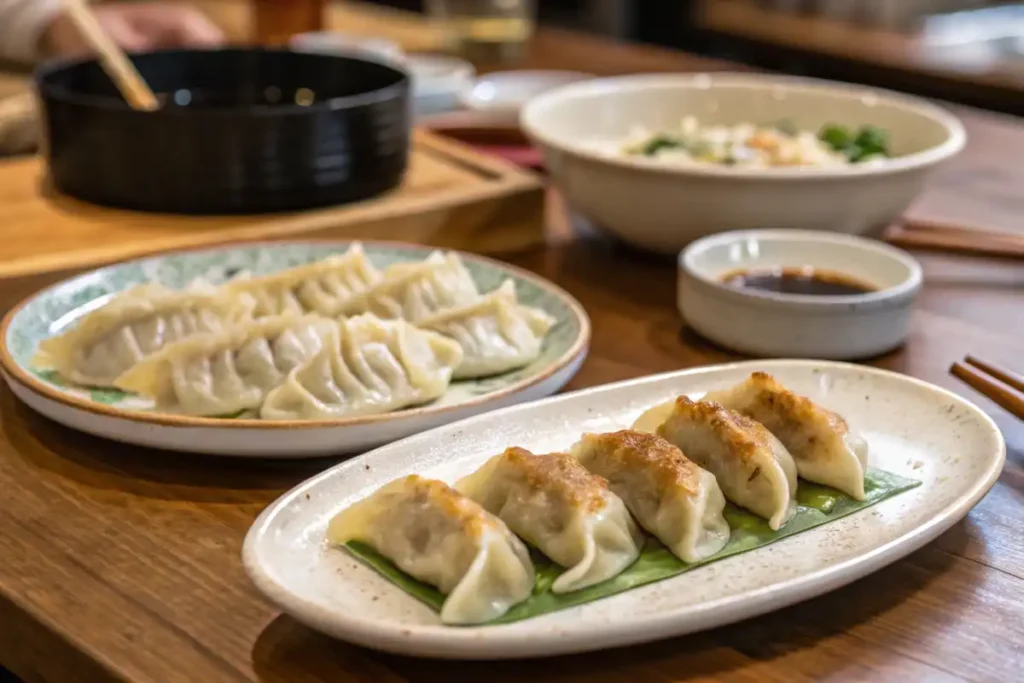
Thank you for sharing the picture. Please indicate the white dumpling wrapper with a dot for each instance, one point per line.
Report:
(752, 467)
(673, 498)
(825, 450)
(366, 366)
(135, 324)
(553, 502)
(414, 291)
(496, 333)
(320, 287)
(225, 373)
(440, 537)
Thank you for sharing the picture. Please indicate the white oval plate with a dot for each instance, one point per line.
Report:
(913, 429)
(124, 417)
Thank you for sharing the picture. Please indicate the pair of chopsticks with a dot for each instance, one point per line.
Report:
(113, 59)
(950, 238)
(1003, 386)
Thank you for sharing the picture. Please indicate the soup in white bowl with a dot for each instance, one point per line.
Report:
(662, 203)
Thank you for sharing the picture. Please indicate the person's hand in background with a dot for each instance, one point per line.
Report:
(136, 27)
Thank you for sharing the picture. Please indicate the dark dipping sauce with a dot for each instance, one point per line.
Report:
(798, 280)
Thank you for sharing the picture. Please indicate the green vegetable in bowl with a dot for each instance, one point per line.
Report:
(870, 142)
(836, 137)
(660, 142)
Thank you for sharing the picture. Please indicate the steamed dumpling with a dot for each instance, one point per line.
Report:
(321, 287)
(553, 502)
(135, 324)
(440, 537)
(222, 374)
(825, 450)
(670, 496)
(366, 366)
(414, 291)
(753, 469)
(496, 332)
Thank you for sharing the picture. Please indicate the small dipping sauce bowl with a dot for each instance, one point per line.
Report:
(729, 292)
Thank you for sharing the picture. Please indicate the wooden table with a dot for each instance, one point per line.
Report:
(121, 564)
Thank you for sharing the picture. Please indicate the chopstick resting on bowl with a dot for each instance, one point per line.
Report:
(1003, 386)
(913, 234)
(113, 59)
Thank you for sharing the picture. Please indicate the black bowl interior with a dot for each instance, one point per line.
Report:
(230, 78)
(239, 131)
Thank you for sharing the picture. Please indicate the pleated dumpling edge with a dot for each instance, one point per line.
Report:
(221, 374)
(752, 467)
(497, 333)
(322, 286)
(556, 505)
(820, 441)
(135, 324)
(460, 549)
(367, 366)
(415, 290)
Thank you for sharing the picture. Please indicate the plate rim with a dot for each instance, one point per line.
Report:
(15, 372)
(445, 642)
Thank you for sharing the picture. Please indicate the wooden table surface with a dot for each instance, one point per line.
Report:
(122, 564)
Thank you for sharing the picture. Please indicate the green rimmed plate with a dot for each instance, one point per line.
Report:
(123, 417)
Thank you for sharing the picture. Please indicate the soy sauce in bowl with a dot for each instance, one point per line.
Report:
(804, 280)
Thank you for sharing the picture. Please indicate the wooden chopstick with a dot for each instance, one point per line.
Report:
(957, 239)
(1003, 386)
(1002, 374)
(113, 59)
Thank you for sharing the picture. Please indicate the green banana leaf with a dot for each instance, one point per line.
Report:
(817, 505)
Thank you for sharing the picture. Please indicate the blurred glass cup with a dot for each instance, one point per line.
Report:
(485, 31)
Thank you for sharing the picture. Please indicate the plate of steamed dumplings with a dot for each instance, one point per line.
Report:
(627, 512)
(228, 351)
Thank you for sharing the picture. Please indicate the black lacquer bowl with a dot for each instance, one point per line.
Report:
(239, 131)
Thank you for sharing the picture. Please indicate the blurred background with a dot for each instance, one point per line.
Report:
(968, 51)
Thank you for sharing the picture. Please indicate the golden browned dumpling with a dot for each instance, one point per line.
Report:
(437, 535)
(567, 513)
(752, 467)
(825, 450)
(669, 495)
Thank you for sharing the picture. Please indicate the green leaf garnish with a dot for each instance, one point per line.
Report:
(817, 505)
(870, 142)
(660, 142)
(836, 137)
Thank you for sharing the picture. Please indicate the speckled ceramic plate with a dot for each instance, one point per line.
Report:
(913, 429)
(120, 416)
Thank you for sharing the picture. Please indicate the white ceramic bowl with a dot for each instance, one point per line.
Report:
(763, 323)
(663, 208)
(504, 93)
(438, 82)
